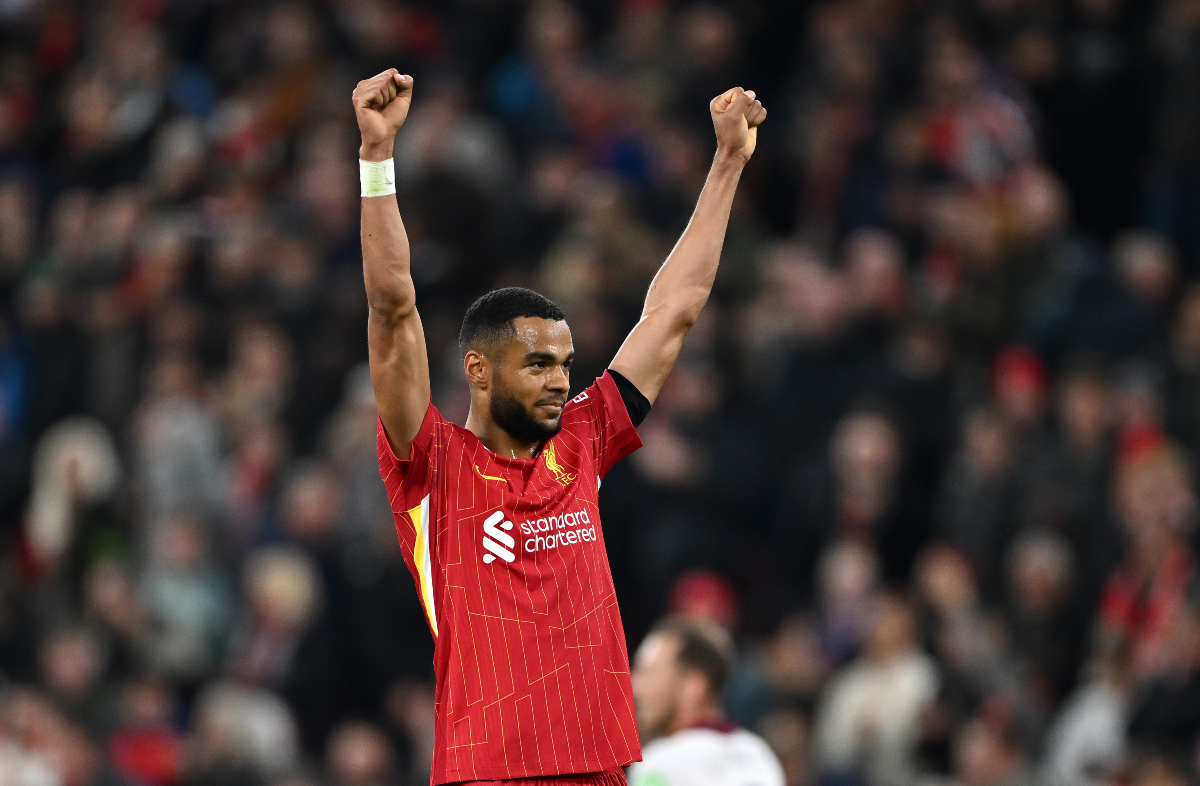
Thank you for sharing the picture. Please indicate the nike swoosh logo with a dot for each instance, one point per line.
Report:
(490, 477)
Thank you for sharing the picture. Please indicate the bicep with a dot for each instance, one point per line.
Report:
(650, 351)
(399, 375)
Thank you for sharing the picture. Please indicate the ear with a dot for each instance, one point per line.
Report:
(693, 690)
(478, 369)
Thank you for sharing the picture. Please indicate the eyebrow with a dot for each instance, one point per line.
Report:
(533, 357)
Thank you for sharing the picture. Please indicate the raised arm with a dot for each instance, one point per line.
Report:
(682, 285)
(396, 341)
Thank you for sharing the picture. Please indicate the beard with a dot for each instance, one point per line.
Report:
(512, 416)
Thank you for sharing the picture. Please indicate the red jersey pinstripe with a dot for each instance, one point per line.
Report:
(508, 557)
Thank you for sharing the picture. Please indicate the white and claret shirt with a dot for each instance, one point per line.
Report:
(709, 755)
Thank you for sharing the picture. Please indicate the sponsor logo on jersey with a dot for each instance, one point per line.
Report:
(495, 540)
(552, 532)
(542, 534)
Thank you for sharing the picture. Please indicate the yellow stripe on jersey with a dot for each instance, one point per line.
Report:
(420, 520)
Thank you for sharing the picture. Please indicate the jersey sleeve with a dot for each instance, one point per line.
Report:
(409, 481)
(615, 436)
(409, 484)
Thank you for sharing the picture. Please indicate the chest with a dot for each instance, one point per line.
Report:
(520, 513)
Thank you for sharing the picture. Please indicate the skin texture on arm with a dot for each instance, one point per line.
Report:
(682, 285)
(395, 338)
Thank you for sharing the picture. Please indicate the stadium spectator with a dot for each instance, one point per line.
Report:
(679, 676)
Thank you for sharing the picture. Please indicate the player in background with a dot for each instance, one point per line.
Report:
(499, 521)
(679, 674)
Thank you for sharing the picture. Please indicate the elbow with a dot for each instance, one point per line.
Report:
(685, 311)
(685, 319)
(393, 304)
(678, 316)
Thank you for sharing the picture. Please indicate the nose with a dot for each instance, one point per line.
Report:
(557, 380)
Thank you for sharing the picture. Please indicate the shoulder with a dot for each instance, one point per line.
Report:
(712, 754)
(681, 743)
(582, 412)
(753, 743)
(434, 434)
(594, 404)
(584, 401)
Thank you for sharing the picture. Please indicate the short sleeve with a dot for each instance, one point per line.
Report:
(408, 481)
(615, 436)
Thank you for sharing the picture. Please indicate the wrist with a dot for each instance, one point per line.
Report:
(729, 159)
(377, 151)
(377, 178)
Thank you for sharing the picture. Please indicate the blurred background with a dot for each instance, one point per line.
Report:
(929, 454)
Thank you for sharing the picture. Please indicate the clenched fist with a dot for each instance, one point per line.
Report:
(736, 115)
(381, 105)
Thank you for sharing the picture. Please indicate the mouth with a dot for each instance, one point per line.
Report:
(553, 407)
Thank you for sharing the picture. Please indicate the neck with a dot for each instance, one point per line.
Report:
(497, 439)
(687, 717)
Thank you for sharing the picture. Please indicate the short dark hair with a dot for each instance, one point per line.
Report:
(489, 320)
(703, 646)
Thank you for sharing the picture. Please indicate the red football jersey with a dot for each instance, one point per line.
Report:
(509, 560)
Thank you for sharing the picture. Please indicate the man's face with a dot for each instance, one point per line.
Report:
(656, 684)
(531, 379)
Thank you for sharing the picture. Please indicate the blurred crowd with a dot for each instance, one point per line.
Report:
(929, 454)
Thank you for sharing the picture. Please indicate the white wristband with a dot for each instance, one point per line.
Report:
(378, 178)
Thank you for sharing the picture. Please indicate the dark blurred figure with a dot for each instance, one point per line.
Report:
(359, 755)
(1155, 501)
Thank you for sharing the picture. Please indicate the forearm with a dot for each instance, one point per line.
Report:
(386, 270)
(683, 283)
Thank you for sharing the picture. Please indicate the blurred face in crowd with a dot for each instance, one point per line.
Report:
(180, 545)
(1085, 409)
(848, 574)
(866, 450)
(946, 581)
(952, 71)
(71, 662)
(282, 590)
(655, 684)
(983, 757)
(1020, 400)
(892, 631)
(552, 30)
(1155, 498)
(526, 380)
(875, 268)
(62, 751)
(796, 658)
(1038, 203)
(661, 687)
(709, 36)
(986, 444)
(1039, 571)
(359, 755)
(1146, 265)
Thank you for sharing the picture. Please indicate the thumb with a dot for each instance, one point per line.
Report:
(740, 101)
